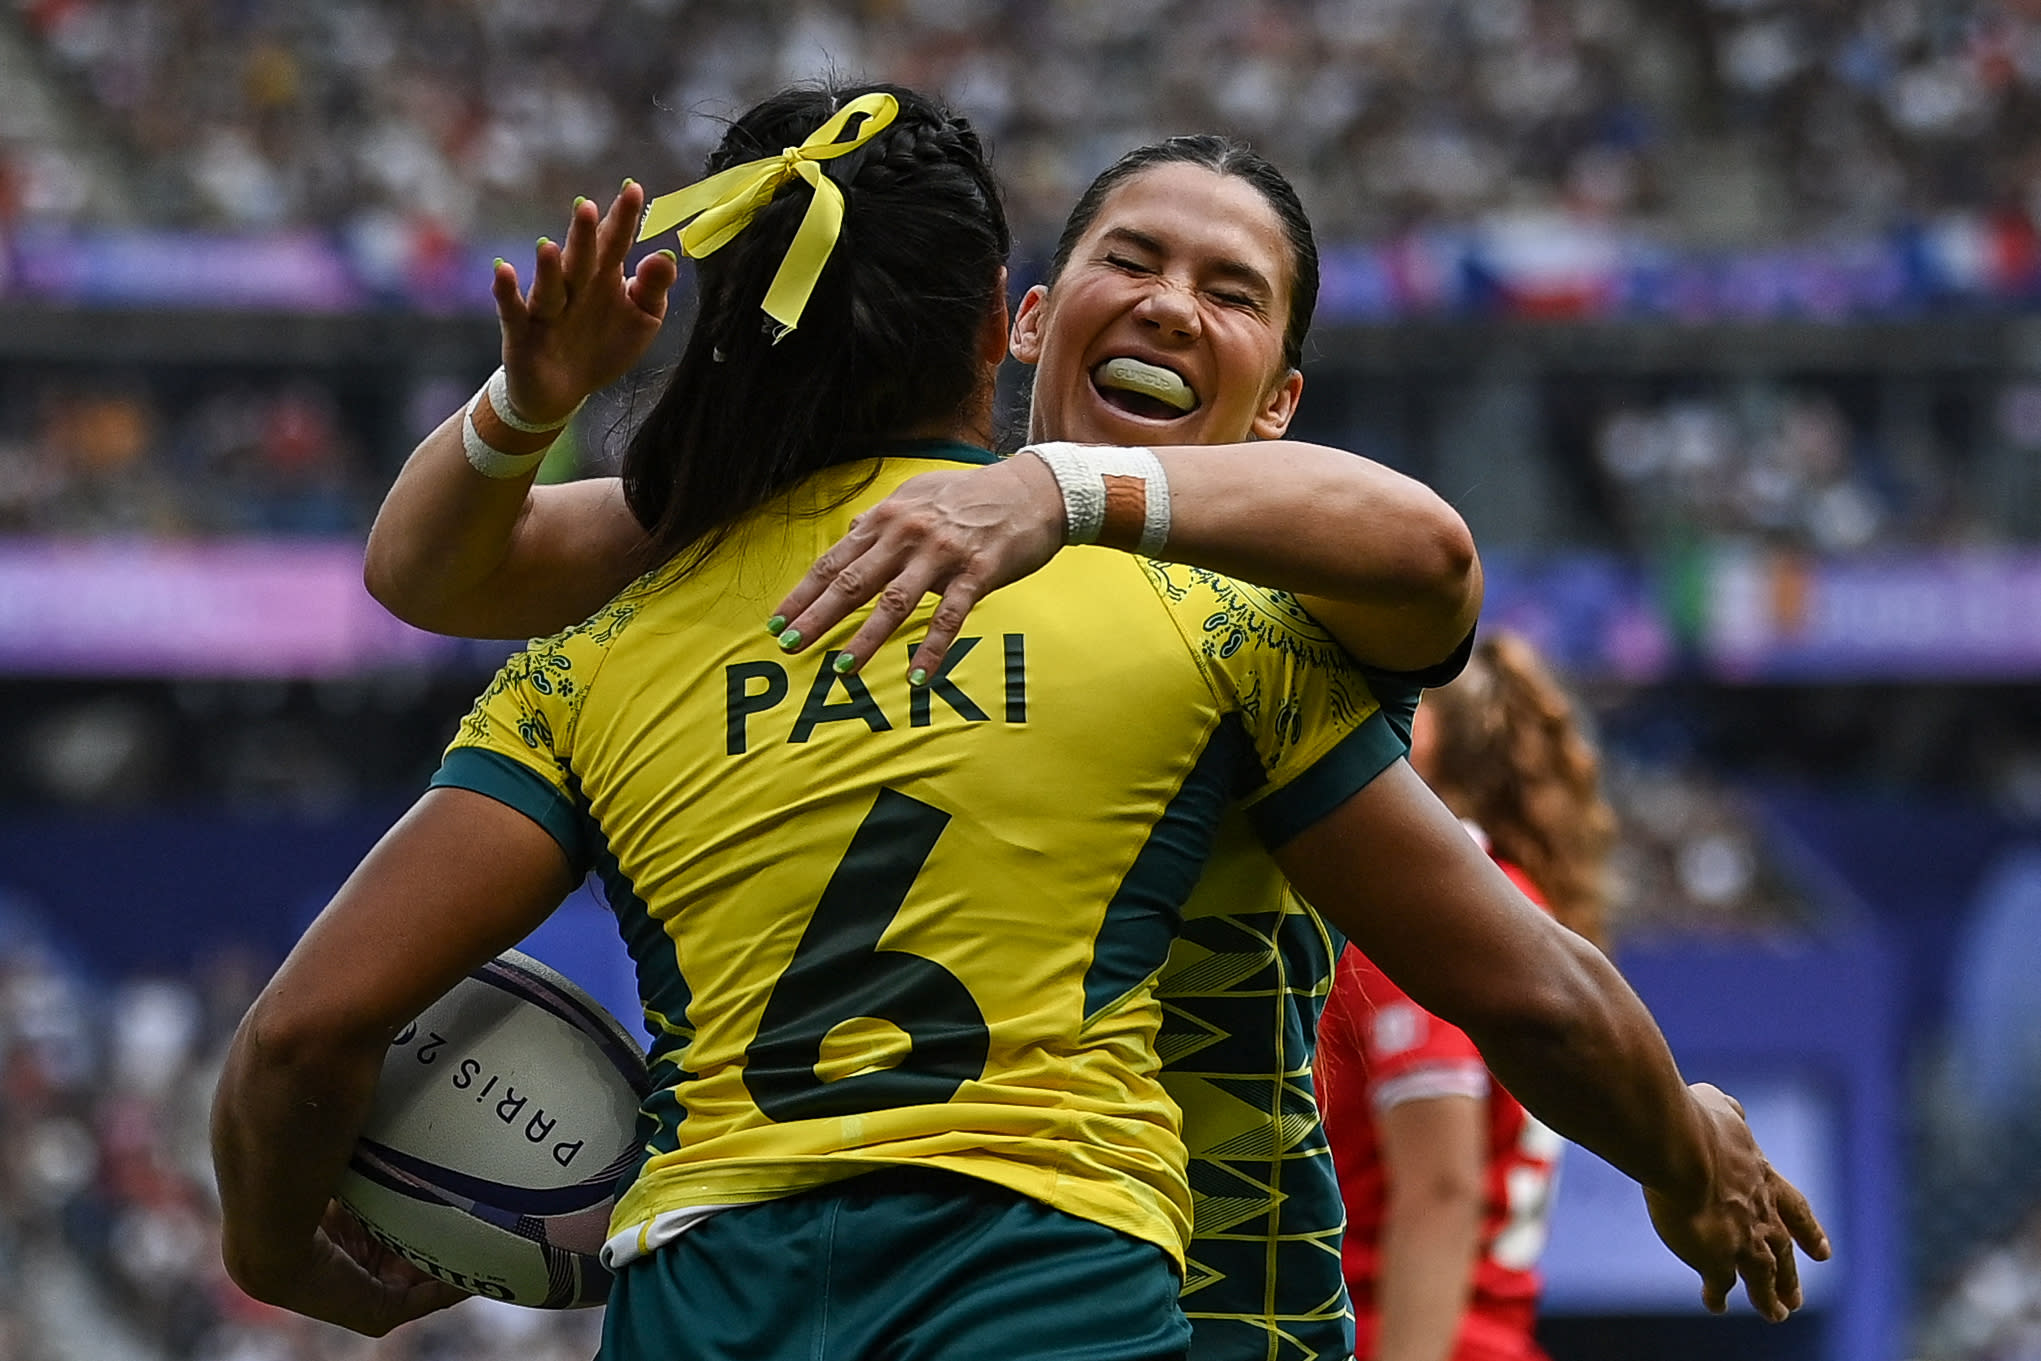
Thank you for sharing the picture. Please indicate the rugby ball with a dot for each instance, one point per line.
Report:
(503, 1119)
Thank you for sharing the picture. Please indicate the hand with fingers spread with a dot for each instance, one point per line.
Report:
(584, 322)
(1744, 1223)
(960, 534)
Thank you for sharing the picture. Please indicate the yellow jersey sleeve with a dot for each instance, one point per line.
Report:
(517, 744)
(1318, 729)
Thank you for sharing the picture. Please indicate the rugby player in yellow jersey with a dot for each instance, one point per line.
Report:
(1150, 265)
(899, 941)
(1194, 258)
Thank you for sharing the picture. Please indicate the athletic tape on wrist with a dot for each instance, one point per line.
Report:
(490, 461)
(498, 388)
(1115, 496)
(500, 443)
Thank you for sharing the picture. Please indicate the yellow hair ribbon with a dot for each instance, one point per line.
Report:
(724, 204)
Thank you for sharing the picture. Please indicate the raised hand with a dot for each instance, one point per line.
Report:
(584, 322)
(959, 533)
(1747, 1222)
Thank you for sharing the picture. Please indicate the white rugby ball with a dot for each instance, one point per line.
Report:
(504, 1117)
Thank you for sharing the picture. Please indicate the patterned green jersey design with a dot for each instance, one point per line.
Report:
(1246, 981)
(1241, 997)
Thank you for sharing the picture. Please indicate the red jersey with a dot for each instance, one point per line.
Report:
(1376, 1049)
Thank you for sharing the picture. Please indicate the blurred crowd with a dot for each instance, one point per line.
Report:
(1702, 121)
(1993, 1312)
(1782, 463)
(109, 1226)
(108, 457)
(1768, 461)
(1691, 858)
(1712, 120)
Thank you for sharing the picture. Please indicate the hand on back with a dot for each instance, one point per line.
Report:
(584, 322)
(958, 533)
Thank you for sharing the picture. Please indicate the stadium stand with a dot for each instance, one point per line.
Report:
(1715, 119)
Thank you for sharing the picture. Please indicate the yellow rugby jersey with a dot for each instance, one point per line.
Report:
(875, 925)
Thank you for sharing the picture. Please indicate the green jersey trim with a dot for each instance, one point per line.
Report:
(942, 450)
(1332, 779)
(663, 994)
(496, 776)
(1399, 697)
(1146, 911)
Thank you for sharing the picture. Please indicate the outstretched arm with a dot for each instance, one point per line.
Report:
(458, 880)
(1558, 1026)
(457, 552)
(1382, 561)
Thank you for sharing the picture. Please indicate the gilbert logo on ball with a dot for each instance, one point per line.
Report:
(505, 1116)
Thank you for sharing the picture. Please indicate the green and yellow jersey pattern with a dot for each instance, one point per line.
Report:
(1241, 995)
(877, 925)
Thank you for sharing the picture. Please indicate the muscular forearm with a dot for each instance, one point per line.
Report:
(1388, 566)
(1395, 871)
(457, 552)
(1429, 1241)
(285, 1121)
(1380, 559)
(1599, 1072)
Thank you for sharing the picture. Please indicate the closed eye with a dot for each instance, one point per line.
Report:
(1131, 266)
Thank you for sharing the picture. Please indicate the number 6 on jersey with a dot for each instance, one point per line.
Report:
(839, 976)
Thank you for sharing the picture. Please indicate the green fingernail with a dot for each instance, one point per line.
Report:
(790, 640)
(844, 663)
(545, 241)
(917, 678)
(775, 624)
(498, 264)
(628, 181)
(580, 199)
(671, 256)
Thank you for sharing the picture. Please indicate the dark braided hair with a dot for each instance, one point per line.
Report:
(1223, 156)
(887, 344)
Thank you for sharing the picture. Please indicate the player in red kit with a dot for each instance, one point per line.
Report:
(1447, 1179)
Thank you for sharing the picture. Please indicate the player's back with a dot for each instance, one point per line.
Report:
(879, 924)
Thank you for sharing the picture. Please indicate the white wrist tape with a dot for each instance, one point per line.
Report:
(1112, 495)
(491, 423)
(498, 388)
(486, 459)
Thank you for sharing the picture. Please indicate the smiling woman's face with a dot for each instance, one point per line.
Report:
(1166, 326)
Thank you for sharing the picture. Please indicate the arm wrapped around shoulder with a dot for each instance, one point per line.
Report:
(1117, 497)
